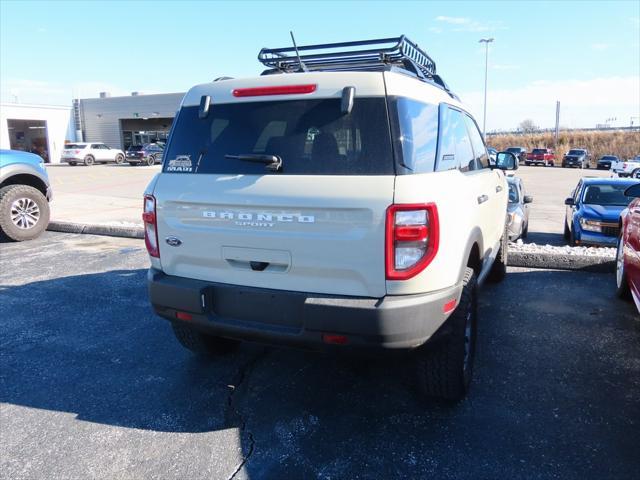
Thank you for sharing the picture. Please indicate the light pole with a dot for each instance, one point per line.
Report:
(486, 41)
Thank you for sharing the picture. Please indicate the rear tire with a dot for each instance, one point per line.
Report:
(119, 159)
(151, 160)
(499, 268)
(445, 369)
(622, 283)
(201, 343)
(24, 212)
(89, 160)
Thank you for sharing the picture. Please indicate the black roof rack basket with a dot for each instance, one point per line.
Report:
(396, 51)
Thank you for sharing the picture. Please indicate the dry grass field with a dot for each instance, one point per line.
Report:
(623, 144)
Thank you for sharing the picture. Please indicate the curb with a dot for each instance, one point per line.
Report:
(108, 230)
(556, 261)
(551, 261)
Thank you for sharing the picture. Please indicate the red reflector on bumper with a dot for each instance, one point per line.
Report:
(184, 316)
(335, 339)
(450, 306)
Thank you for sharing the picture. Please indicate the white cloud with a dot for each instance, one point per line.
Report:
(453, 20)
(583, 102)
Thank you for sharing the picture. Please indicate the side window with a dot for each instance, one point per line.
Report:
(479, 148)
(455, 145)
(418, 134)
(576, 192)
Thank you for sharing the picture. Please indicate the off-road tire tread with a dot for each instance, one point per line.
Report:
(439, 367)
(201, 343)
(7, 229)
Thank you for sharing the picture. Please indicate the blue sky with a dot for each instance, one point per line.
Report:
(585, 54)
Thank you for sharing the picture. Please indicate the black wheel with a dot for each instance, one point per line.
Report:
(635, 173)
(567, 232)
(151, 160)
(119, 159)
(73, 164)
(622, 284)
(587, 166)
(202, 343)
(525, 232)
(24, 212)
(89, 160)
(445, 368)
(499, 268)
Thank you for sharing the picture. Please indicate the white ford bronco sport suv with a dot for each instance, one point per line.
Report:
(341, 200)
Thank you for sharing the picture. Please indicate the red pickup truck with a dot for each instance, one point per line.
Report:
(541, 156)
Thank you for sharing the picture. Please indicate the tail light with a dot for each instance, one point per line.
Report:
(77, 151)
(150, 226)
(279, 90)
(412, 236)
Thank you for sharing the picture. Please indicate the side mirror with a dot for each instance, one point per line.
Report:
(633, 191)
(569, 201)
(527, 199)
(506, 161)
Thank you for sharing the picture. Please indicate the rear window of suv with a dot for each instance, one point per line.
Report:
(539, 150)
(312, 137)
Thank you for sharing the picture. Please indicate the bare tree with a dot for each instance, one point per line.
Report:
(527, 126)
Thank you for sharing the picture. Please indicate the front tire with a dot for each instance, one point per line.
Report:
(445, 369)
(24, 212)
(119, 159)
(89, 160)
(201, 343)
(499, 268)
(151, 161)
(622, 283)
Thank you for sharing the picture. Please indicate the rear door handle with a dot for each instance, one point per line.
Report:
(498, 188)
(483, 198)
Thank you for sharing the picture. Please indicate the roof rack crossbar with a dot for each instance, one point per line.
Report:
(402, 51)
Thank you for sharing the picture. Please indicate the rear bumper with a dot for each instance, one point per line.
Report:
(300, 319)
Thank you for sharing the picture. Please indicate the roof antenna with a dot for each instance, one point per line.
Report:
(303, 67)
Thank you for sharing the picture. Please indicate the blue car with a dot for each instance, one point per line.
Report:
(25, 193)
(593, 211)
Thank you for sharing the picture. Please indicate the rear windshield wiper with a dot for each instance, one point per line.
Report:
(273, 162)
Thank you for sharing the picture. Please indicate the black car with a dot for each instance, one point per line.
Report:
(148, 154)
(576, 157)
(605, 162)
(519, 152)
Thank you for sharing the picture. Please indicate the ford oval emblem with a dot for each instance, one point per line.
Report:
(173, 241)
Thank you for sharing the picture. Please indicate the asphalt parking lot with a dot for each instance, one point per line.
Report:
(92, 385)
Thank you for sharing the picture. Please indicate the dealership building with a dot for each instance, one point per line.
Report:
(116, 121)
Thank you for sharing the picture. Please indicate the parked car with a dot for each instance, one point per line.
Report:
(541, 156)
(518, 209)
(25, 193)
(605, 162)
(492, 153)
(148, 154)
(628, 249)
(90, 154)
(627, 168)
(592, 212)
(519, 152)
(577, 157)
(299, 235)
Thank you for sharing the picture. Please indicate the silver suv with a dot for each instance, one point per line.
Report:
(336, 201)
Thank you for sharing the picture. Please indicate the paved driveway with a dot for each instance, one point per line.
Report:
(92, 385)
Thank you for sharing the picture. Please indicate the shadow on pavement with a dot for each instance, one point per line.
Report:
(556, 393)
(545, 238)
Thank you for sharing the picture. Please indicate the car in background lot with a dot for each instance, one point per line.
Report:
(576, 157)
(593, 211)
(627, 168)
(541, 156)
(605, 162)
(148, 154)
(517, 209)
(25, 193)
(90, 153)
(519, 152)
(628, 249)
